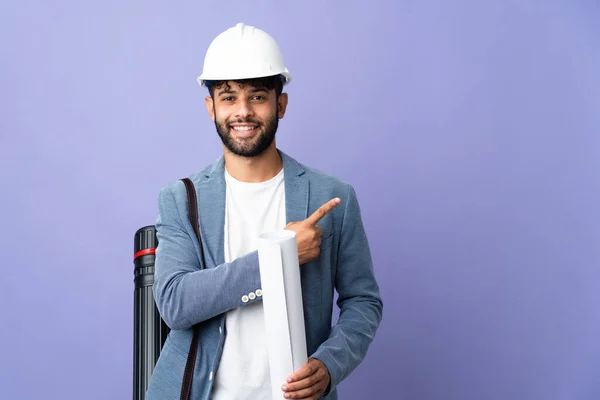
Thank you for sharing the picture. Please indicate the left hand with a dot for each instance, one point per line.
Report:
(308, 382)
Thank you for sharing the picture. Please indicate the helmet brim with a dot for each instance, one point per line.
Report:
(202, 79)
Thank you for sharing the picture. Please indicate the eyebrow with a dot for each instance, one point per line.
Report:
(253, 90)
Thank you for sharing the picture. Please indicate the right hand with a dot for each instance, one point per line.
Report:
(308, 233)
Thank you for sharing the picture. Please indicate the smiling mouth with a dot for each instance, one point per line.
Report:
(244, 130)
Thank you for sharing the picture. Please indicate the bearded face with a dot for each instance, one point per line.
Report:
(247, 137)
(246, 116)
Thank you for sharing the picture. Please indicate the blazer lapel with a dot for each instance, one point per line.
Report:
(211, 211)
(296, 209)
(296, 190)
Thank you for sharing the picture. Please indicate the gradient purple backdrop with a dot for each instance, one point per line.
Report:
(470, 130)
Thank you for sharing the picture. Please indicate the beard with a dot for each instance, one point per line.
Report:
(251, 146)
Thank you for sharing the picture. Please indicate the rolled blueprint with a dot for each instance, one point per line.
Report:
(282, 305)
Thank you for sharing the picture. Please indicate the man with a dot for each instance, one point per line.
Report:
(254, 187)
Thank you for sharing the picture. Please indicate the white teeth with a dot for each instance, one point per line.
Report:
(243, 128)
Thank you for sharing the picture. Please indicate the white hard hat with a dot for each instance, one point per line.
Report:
(243, 52)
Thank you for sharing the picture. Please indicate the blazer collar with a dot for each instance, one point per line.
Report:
(290, 165)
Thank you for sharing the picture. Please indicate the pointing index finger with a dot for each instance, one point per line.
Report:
(322, 211)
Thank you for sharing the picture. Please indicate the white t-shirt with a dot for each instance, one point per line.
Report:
(251, 209)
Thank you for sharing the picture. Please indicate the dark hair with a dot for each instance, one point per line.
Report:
(267, 82)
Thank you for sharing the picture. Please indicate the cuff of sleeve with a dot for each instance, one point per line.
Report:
(329, 363)
(252, 291)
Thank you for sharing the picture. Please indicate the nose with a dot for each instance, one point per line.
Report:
(244, 109)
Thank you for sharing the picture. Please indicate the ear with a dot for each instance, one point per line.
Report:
(282, 103)
(210, 107)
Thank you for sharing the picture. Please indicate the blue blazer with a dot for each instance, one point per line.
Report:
(187, 295)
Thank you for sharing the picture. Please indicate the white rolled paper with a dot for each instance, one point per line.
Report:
(282, 305)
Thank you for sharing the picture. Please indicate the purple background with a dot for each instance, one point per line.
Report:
(470, 130)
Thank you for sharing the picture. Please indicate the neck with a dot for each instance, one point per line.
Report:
(254, 169)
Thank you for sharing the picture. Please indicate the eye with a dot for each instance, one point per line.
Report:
(258, 97)
(228, 98)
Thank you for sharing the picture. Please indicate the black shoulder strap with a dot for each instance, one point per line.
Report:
(193, 214)
(188, 373)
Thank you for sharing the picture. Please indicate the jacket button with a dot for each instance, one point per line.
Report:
(251, 295)
(245, 298)
(259, 292)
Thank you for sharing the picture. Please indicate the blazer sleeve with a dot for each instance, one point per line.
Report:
(186, 294)
(359, 299)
